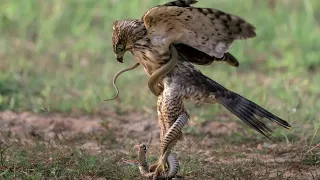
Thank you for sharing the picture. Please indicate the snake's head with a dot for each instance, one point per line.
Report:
(141, 148)
(142, 152)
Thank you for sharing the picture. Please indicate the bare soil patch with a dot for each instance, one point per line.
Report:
(208, 156)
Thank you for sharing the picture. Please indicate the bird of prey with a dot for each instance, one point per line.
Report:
(201, 35)
(176, 31)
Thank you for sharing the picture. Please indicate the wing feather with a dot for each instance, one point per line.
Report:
(198, 57)
(181, 3)
(208, 30)
(246, 110)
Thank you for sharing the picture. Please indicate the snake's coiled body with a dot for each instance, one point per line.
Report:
(173, 168)
(174, 132)
(160, 73)
(170, 137)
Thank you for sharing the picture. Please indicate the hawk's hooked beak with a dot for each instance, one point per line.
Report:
(119, 58)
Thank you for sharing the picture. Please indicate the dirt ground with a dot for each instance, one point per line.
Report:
(213, 148)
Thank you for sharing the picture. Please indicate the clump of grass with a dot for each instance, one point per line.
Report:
(66, 161)
(58, 56)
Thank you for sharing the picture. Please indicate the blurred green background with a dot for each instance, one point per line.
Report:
(57, 55)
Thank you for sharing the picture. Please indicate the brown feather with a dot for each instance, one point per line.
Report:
(208, 30)
(190, 84)
(200, 58)
(180, 3)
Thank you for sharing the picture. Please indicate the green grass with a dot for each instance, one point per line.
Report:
(67, 160)
(63, 163)
(57, 55)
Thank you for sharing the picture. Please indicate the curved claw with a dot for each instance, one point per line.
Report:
(160, 171)
(160, 168)
(173, 168)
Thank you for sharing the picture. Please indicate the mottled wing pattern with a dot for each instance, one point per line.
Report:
(180, 3)
(208, 30)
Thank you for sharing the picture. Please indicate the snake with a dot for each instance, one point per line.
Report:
(173, 164)
(141, 162)
(115, 79)
(156, 76)
(169, 140)
(161, 72)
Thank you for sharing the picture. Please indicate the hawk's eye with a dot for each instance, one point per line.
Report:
(120, 47)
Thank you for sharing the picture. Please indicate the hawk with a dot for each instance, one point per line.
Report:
(178, 32)
(201, 35)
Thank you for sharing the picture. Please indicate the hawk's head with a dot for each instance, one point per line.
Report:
(124, 35)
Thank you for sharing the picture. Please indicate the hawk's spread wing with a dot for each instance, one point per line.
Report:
(208, 30)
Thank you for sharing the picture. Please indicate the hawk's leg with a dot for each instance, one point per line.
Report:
(168, 142)
(161, 122)
(172, 117)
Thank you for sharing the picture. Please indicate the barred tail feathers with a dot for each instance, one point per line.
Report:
(249, 112)
(246, 110)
